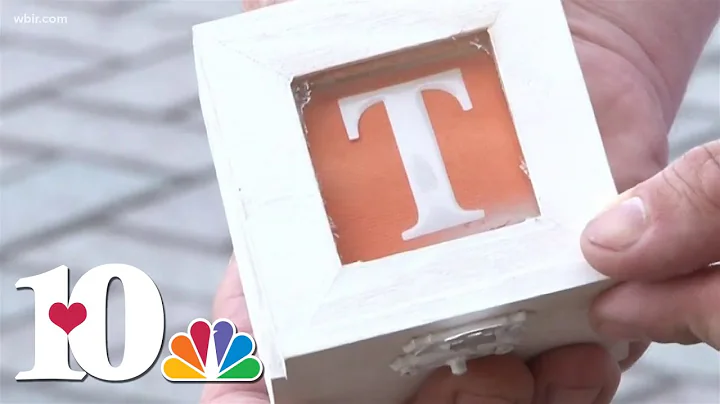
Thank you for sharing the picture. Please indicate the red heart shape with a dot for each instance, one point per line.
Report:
(67, 318)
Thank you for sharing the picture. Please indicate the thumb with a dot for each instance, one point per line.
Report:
(662, 237)
(667, 226)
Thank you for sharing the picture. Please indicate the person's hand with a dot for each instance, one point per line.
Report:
(661, 240)
(230, 304)
(637, 58)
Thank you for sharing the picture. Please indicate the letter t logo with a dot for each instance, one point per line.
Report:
(435, 200)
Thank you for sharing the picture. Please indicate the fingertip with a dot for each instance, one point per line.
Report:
(229, 303)
(609, 240)
(229, 300)
(620, 227)
(615, 311)
(232, 394)
(249, 5)
(581, 374)
(494, 377)
(664, 227)
(638, 342)
(635, 352)
(681, 310)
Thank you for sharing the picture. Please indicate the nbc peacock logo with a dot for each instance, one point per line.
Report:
(212, 353)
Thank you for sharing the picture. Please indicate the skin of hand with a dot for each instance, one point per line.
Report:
(637, 58)
(661, 240)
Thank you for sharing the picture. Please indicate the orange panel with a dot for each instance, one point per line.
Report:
(363, 182)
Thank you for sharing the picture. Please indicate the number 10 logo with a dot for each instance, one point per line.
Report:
(79, 322)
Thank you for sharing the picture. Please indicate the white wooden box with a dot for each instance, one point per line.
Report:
(333, 329)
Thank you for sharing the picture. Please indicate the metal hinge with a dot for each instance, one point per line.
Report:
(454, 347)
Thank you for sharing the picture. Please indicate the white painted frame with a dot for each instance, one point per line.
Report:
(299, 294)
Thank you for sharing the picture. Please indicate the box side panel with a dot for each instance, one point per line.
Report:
(208, 52)
(360, 373)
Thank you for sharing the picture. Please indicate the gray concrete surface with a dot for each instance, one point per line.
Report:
(103, 159)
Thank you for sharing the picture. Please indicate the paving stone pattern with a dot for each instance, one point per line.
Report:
(104, 159)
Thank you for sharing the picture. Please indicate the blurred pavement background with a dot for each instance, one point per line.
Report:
(103, 158)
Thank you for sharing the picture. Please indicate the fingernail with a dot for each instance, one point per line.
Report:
(619, 227)
(561, 395)
(472, 399)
